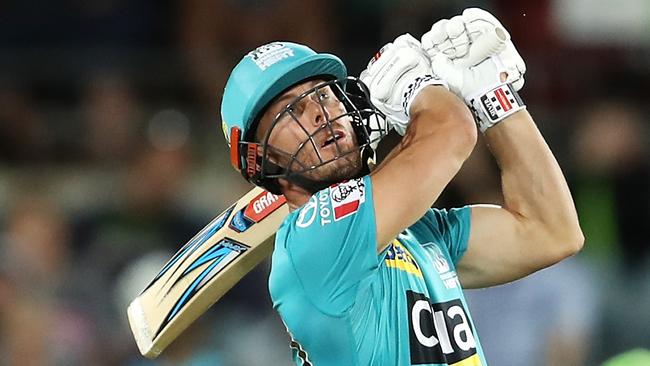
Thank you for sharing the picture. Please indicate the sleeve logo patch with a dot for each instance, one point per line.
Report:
(400, 258)
(447, 273)
(347, 197)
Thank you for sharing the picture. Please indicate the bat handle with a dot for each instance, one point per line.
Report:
(486, 45)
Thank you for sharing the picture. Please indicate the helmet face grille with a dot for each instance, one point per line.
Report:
(339, 103)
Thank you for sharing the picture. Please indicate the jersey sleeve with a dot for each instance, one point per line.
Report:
(331, 243)
(449, 227)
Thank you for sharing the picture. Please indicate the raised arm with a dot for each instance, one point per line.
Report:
(439, 138)
(538, 225)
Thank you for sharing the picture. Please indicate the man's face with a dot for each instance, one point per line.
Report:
(311, 133)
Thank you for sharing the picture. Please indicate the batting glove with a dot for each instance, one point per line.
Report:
(395, 75)
(473, 52)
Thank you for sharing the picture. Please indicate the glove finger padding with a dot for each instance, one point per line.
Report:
(484, 46)
(459, 38)
(457, 35)
(394, 77)
(392, 62)
(432, 39)
(475, 74)
(407, 40)
(478, 22)
(447, 36)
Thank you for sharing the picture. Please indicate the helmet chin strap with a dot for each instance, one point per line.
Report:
(369, 155)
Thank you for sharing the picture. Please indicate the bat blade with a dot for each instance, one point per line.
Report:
(204, 269)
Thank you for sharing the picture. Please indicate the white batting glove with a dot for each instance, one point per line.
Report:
(397, 73)
(472, 52)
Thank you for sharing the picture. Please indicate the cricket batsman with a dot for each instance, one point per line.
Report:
(364, 271)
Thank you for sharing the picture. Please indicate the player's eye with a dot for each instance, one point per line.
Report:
(323, 95)
(325, 98)
(286, 114)
(292, 109)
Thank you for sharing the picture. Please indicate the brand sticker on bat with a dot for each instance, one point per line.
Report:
(263, 205)
(210, 263)
(240, 222)
(195, 243)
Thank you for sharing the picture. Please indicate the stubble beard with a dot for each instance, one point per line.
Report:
(347, 166)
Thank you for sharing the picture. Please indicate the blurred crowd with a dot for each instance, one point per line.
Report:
(112, 157)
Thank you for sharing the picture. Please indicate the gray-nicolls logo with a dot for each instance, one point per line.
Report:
(489, 107)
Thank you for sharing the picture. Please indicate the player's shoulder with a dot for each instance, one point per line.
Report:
(437, 221)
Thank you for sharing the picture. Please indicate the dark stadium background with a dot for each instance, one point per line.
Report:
(112, 157)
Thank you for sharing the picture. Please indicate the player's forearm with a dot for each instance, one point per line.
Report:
(431, 114)
(440, 137)
(534, 188)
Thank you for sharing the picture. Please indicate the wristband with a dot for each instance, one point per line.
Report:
(491, 107)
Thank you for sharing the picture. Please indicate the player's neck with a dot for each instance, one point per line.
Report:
(296, 196)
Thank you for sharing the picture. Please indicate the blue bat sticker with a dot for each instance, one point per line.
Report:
(217, 257)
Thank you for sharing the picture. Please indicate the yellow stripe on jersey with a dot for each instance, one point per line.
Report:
(399, 257)
(475, 360)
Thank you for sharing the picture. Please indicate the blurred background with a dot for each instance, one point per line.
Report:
(112, 157)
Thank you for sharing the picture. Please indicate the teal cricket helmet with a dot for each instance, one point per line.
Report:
(266, 72)
(261, 76)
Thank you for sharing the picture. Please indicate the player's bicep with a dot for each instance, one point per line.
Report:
(496, 252)
(402, 195)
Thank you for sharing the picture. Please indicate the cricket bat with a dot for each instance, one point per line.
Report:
(204, 269)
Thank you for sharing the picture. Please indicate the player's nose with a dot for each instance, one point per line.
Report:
(315, 115)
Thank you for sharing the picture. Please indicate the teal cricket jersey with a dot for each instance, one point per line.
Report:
(345, 305)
